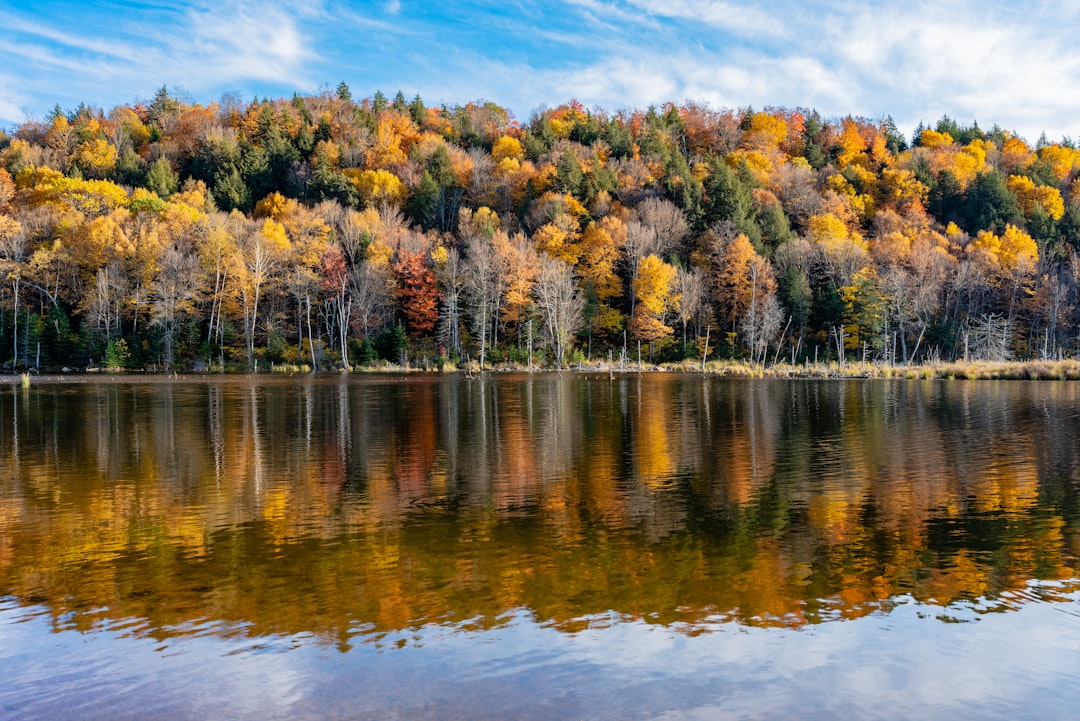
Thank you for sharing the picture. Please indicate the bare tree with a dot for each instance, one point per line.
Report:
(171, 293)
(560, 304)
(485, 281)
(103, 306)
(666, 220)
(691, 289)
(451, 276)
(371, 296)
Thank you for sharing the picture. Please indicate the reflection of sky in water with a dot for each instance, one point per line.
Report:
(364, 568)
(909, 663)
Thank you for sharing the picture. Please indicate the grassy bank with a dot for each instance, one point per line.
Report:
(981, 370)
(1016, 370)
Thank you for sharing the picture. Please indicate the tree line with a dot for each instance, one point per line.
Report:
(329, 232)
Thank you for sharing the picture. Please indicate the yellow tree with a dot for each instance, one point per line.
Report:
(377, 187)
(522, 263)
(309, 235)
(1033, 196)
(1011, 257)
(14, 249)
(653, 288)
(601, 248)
(96, 157)
(731, 281)
(219, 255)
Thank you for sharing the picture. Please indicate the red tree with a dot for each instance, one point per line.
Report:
(417, 291)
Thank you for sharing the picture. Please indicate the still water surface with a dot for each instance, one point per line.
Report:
(539, 547)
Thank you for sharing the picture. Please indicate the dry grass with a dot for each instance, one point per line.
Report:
(1021, 370)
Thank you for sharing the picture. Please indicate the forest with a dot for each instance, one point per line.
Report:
(326, 232)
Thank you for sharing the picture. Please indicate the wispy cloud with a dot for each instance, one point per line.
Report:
(240, 41)
(740, 19)
(993, 61)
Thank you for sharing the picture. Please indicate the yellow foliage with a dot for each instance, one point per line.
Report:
(829, 232)
(756, 162)
(101, 240)
(561, 127)
(1014, 250)
(653, 284)
(976, 150)
(481, 222)
(36, 176)
(1051, 201)
(179, 215)
(867, 179)
(1061, 160)
(1015, 155)
(864, 206)
(891, 247)
(509, 166)
(987, 241)
(852, 145)
(46, 186)
(394, 138)
(327, 153)
(879, 151)
(193, 195)
(967, 163)
(839, 184)
(379, 253)
(96, 157)
(1032, 196)
(1018, 249)
(272, 206)
(558, 239)
(800, 162)
(933, 139)
(766, 132)
(9, 228)
(600, 244)
(274, 232)
(507, 147)
(439, 255)
(377, 186)
(900, 187)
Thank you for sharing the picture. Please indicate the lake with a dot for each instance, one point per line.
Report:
(546, 546)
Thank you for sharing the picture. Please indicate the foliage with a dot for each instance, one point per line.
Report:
(288, 226)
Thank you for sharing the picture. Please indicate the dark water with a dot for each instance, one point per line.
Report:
(539, 547)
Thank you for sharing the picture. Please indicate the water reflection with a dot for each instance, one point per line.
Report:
(342, 510)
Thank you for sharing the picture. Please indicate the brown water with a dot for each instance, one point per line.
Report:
(539, 547)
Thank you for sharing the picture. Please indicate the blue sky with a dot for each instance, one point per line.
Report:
(1013, 64)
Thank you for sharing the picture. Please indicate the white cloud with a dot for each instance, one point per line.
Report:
(10, 103)
(992, 62)
(237, 41)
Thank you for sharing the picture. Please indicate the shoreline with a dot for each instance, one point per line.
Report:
(975, 370)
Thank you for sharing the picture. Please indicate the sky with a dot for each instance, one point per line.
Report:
(1016, 65)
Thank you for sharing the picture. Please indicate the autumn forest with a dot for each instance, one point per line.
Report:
(327, 232)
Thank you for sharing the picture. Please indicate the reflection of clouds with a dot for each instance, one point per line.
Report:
(113, 675)
(907, 664)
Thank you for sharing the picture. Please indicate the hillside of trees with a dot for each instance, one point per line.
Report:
(330, 232)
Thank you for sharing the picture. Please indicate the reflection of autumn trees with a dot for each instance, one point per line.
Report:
(346, 508)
